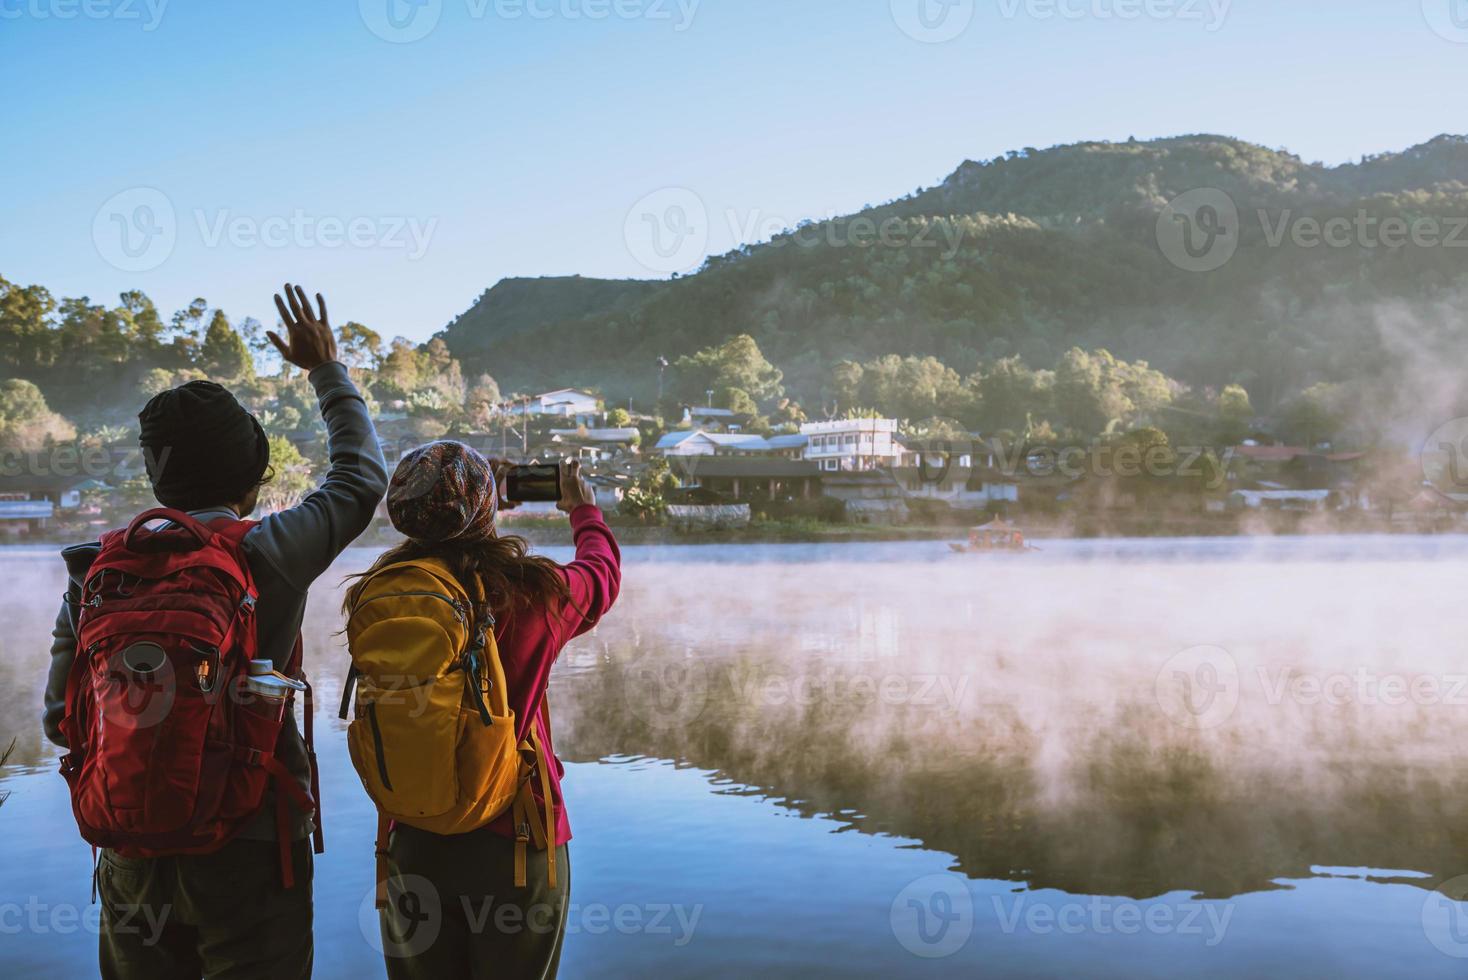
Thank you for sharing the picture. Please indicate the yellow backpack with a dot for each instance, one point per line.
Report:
(433, 736)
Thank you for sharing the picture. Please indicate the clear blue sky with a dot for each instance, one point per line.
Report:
(519, 144)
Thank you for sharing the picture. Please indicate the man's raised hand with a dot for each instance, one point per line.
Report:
(312, 343)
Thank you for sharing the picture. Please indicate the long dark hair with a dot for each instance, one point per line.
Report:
(498, 571)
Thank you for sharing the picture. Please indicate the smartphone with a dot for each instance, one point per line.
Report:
(536, 483)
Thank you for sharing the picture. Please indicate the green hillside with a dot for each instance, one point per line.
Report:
(1030, 254)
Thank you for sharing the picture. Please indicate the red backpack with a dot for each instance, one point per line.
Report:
(170, 751)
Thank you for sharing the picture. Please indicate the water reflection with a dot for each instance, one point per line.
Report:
(1020, 716)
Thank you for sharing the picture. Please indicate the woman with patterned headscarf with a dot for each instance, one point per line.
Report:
(445, 499)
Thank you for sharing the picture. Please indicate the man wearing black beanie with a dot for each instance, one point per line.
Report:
(201, 447)
(228, 913)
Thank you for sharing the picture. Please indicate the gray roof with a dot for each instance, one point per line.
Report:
(754, 467)
(598, 435)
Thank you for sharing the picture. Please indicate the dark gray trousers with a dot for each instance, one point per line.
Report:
(454, 911)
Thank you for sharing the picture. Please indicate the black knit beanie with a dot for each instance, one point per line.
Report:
(201, 448)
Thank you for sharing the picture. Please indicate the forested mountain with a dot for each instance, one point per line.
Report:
(517, 306)
(1033, 254)
(1061, 294)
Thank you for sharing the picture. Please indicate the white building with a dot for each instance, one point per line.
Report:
(572, 403)
(698, 442)
(852, 445)
(596, 444)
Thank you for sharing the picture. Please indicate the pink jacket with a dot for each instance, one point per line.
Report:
(530, 641)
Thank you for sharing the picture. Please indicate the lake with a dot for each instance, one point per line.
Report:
(1111, 758)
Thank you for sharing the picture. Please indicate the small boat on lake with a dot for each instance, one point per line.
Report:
(997, 536)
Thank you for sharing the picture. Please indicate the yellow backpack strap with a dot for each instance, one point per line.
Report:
(543, 763)
(522, 836)
(383, 827)
(527, 819)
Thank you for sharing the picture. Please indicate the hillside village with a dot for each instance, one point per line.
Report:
(709, 472)
(1054, 369)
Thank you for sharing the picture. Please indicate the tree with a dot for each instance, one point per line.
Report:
(155, 382)
(1234, 405)
(361, 346)
(258, 344)
(737, 363)
(735, 400)
(1086, 394)
(1316, 414)
(147, 326)
(292, 476)
(185, 330)
(1234, 414)
(619, 418)
(788, 413)
(407, 369)
(845, 386)
(26, 422)
(482, 401)
(94, 338)
(646, 501)
(400, 371)
(223, 354)
(1009, 394)
(1096, 393)
(26, 339)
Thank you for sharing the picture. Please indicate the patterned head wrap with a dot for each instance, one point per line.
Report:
(444, 491)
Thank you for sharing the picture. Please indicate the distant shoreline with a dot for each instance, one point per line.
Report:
(552, 531)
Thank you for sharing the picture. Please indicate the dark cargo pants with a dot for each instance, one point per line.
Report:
(222, 915)
(454, 911)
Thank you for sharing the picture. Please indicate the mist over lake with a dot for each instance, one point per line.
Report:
(1116, 758)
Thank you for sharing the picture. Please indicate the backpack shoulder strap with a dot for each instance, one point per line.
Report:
(433, 569)
(232, 530)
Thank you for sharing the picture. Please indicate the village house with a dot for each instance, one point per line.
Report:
(852, 445)
(735, 478)
(28, 502)
(714, 419)
(1293, 478)
(699, 442)
(573, 403)
(596, 445)
(870, 496)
